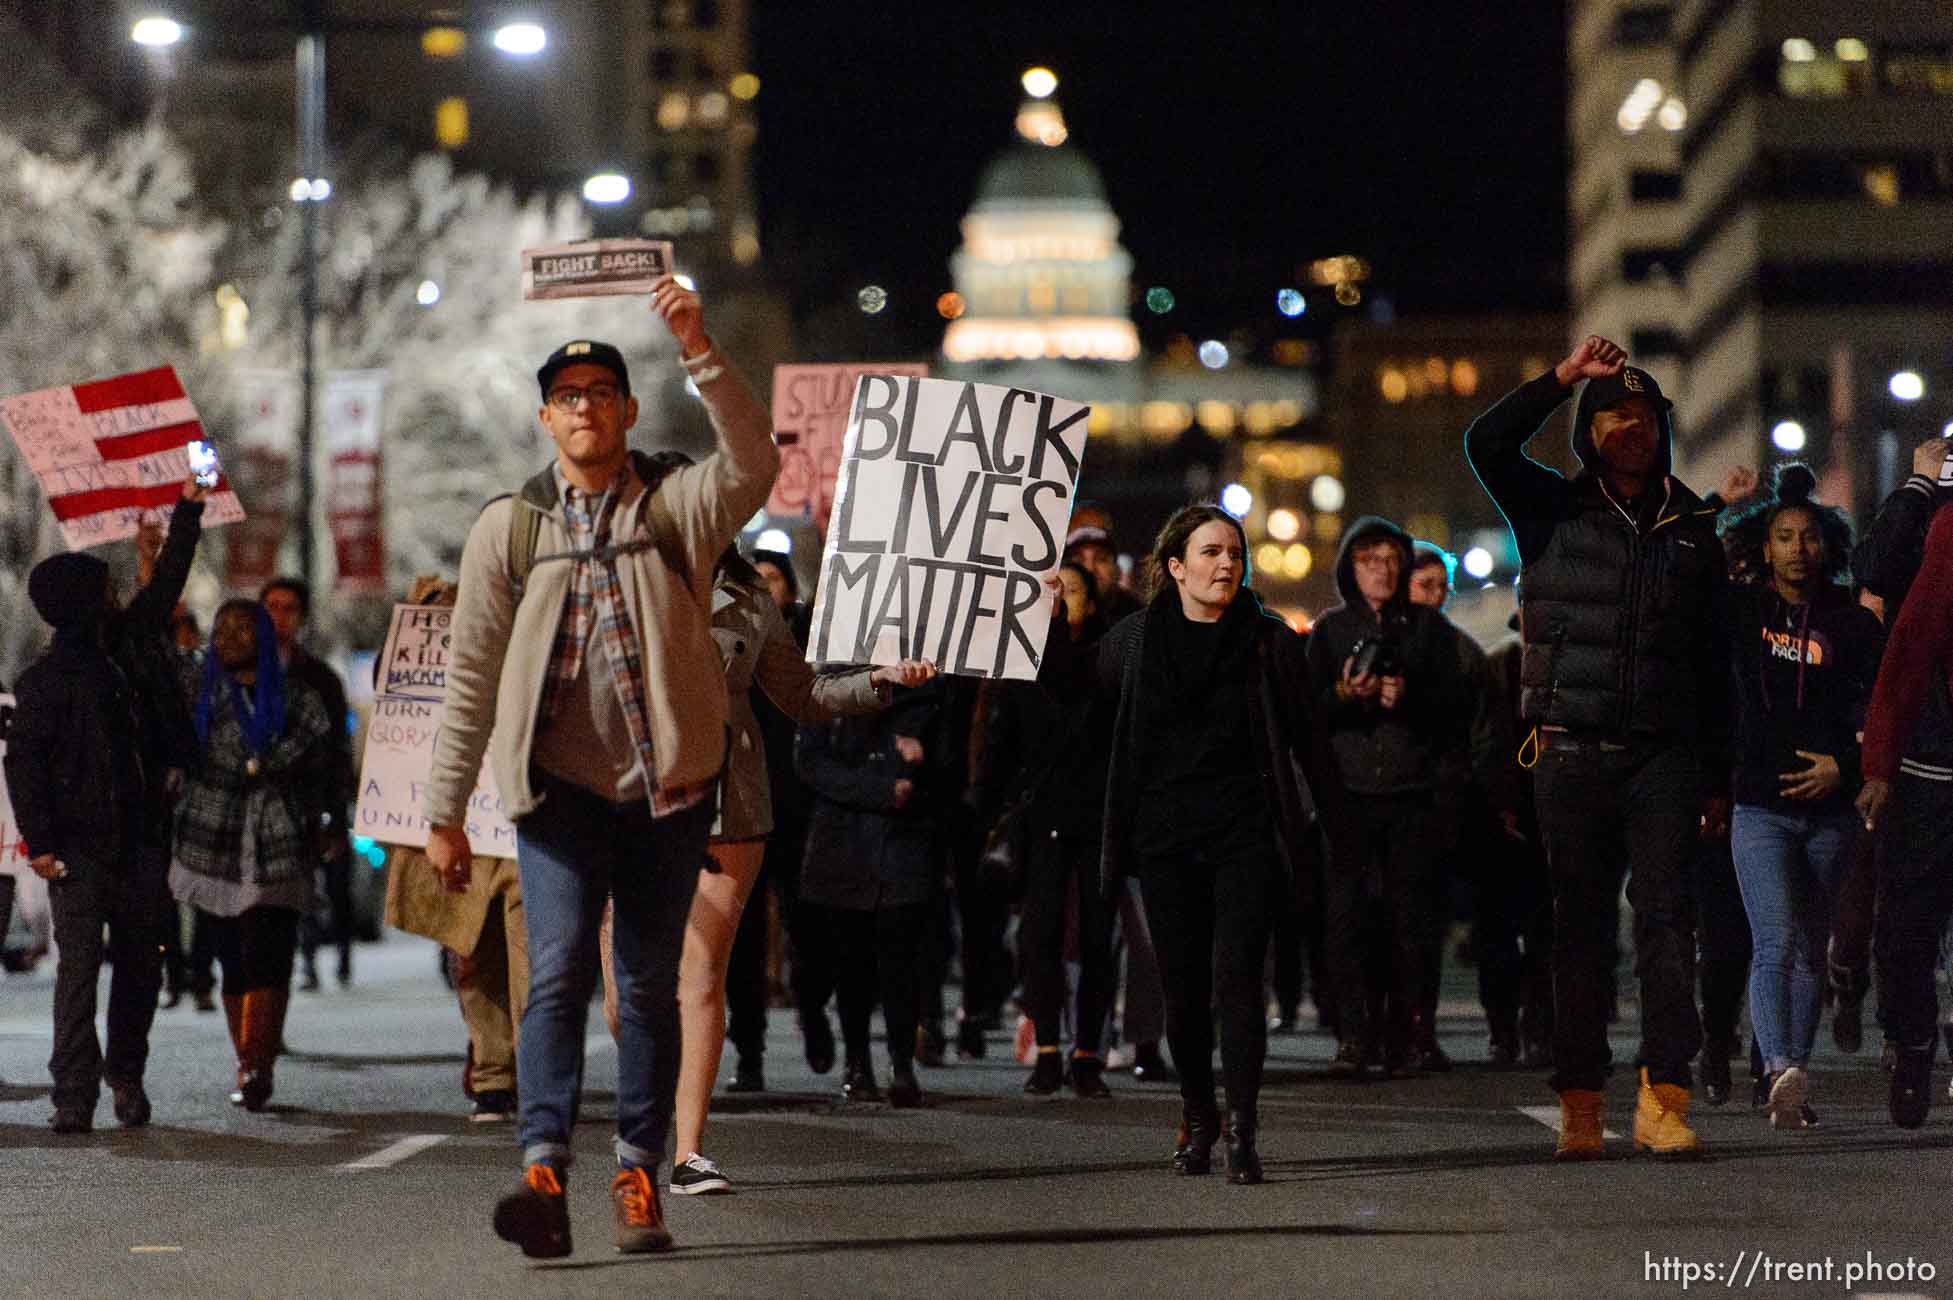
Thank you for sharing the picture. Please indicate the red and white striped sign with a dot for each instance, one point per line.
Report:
(107, 453)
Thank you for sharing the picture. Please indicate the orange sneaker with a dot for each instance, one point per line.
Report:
(1580, 1125)
(640, 1222)
(1661, 1121)
(536, 1215)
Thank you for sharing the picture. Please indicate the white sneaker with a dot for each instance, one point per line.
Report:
(1787, 1097)
(695, 1175)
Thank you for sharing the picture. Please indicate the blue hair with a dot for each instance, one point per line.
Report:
(262, 718)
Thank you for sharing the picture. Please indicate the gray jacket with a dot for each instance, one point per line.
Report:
(759, 650)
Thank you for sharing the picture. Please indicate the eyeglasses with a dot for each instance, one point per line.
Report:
(566, 399)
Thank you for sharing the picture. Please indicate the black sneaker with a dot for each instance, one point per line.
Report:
(858, 1084)
(131, 1104)
(71, 1120)
(536, 1215)
(1848, 1025)
(1431, 1058)
(749, 1077)
(1088, 1079)
(1716, 1083)
(904, 1093)
(697, 1176)
(1047, 1076)
(1148, 1066)
(1348, 1062)
(1911, 1097)
(493, 1106)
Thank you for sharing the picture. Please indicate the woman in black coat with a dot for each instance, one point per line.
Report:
(1217, 773)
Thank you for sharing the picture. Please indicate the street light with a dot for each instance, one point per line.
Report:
(607, 188)
(156, 33)
(311, 188)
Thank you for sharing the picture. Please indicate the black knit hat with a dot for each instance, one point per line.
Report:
(69, 588)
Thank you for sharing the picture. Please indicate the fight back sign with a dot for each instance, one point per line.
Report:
(595, 268)
(949, 509)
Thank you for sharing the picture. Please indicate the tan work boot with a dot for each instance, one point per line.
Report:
(1580, 1125)
(640, 1222)
(1661, 1121)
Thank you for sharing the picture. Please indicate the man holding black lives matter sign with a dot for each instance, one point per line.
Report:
(949, 511)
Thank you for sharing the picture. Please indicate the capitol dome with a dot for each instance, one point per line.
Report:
(1041, 272)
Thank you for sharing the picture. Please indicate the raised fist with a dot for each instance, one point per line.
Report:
(1595, 358)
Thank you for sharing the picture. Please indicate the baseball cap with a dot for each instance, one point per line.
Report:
(1631, 382)
(1088, 534)
(584, 352)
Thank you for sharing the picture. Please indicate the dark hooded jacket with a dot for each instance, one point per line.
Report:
(1622, 605)
(91, 739)
(1397, 750)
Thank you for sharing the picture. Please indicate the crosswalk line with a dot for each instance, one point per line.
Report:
(1550, 1117)
(393, 1153)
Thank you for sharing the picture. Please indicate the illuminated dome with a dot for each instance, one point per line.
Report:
(1041, 268)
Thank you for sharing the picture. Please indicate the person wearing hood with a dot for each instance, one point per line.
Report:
(1392, 689)
(1806, 657)
(85, 768)
(1626, 679)
(1218, 787)
(244, 829)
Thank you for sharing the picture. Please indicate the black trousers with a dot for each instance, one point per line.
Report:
(254, 948)
(1211, 912)
(881, 953)
(1377, 900)
(1606, 814)
(337, 877)
(1915, 898)
(1064, 872)
(1512, 930)
(132, 904)
(1724, 944)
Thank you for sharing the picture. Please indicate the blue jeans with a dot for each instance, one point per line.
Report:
(575, 851)
(1788, 866)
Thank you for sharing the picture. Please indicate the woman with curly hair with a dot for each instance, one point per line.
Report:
(1806, 655)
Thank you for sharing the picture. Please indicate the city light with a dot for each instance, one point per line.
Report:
(156, 33)
(685, 282)
(428, 294)
(1673, 114)
(1290, 302)
(950, 305)
(444, 42)
(1852, 50)
(1326, 493)
(1213, 354)
(1284, 525)
(744, 86)
(521, 39)
(1907, 386)
(1040, 82)
(1478, 562)
(1798, 50)
(1296, 561)
(1788, 436)
(1947, 432)
(316, 190)
(1268, 558)
(775, 539)
(1639, 106)
(1237, 500)
(872, 299)
(1159, 300)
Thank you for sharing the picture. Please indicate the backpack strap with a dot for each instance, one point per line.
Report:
(540, 496)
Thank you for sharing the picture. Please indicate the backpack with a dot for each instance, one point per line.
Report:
(525, 526)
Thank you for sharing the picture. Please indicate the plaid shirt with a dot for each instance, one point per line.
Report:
(594, 612)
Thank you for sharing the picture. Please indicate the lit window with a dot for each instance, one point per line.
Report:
(443, 42)
(712, 107)
(744, 86)
(451, 122)
(1392, 384)
(1852, 50)
(1919, 72)
(674, 110)
(1881, 181)
(1464, 378)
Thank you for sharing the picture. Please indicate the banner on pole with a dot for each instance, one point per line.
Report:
(950, 508)
(810, 420)
(594, 268)
(353, 497)
(408, 707)
(261, 467)
(109, 452)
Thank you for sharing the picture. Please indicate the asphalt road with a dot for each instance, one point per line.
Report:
(1438, 1186)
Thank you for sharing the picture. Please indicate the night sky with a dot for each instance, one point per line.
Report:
(1237, 140)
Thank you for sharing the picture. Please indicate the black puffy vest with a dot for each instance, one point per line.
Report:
(1620, 627)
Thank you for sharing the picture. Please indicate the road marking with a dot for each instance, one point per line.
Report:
(394, 1153)
(155, 1250)
(1550, 1117)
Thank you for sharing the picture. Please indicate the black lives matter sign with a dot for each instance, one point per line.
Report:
(949, 509)
(595, 268)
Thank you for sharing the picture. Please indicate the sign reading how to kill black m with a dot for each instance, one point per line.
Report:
(949, 510)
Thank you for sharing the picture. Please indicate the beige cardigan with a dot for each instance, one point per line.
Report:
(500, 650)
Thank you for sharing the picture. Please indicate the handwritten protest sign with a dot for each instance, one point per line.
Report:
(810, 419)
(594, 268)
(13, 852)
(950, 507)
(407, 713)
(109, 452)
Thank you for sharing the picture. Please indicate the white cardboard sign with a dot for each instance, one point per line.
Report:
(949, 510)
(408, 707)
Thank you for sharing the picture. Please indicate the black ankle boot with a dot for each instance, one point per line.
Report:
(1193, 1148)
(1243, 1164)
(1716, 1082)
